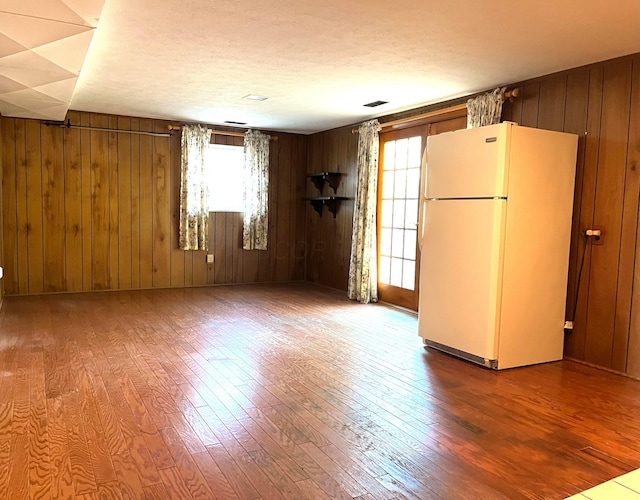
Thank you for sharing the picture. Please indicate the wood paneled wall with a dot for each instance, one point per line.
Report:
(91, 210)
(329, 238)
(600, 103)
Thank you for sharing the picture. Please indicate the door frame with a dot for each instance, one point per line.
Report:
(389, 293)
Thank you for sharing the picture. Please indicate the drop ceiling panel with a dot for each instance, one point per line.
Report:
(43, 44)
(10, 85)
(32, 32)
(30, 77)
(48, 9)
(67, 53)
(88, 10)
(58, 91)
(9, 46)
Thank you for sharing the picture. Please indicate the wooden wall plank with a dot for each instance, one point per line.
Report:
(633, 355)
(34, 206)
(608, 212)
(73, 204)
(219, 248)
(146, 205)
(250, 263)
(9, 207)
(313, 239)
(53, 209)
(135, 204)
(199, 265)
(623, 334)
(283, 199)
(328, 226)
(21, 199)
(114, 208)
(161, 210)
(124, 204)
(211, 267)
(530, 105)
(230, 249)
(552, 103)
(576, 122)
(343, 231)
(87, 203)
(238, 251)
(298, 209)
(575, 343)
(264, 257)
(100, 204)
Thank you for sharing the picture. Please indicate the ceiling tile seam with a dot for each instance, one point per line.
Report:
(24, 95)
(83, 25)
(57, 70)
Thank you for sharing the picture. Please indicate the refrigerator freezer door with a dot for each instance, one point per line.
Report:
(461, 272)
(468, 163)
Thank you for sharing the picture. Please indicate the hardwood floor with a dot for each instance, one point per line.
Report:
(285, 391)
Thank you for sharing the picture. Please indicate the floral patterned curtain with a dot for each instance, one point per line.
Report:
(256, 190)
(363, 269)
(485, 109)
(194, 207)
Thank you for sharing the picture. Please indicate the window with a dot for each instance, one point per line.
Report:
(225, 166)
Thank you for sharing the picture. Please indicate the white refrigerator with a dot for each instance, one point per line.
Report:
(497, 205)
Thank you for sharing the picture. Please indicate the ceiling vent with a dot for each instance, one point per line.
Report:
(254, 97)
(375, 104)
(230, 122)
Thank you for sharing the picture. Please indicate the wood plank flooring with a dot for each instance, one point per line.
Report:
(285, 391)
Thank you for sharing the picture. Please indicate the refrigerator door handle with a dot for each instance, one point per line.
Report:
(423, 198)
(420, 226)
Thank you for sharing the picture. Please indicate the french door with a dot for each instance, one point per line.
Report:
(399, 180)
(398, 204)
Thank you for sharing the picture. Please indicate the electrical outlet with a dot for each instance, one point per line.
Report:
(209, 258)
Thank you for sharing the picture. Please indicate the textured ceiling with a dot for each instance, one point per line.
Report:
(42, 46)
(318, 62)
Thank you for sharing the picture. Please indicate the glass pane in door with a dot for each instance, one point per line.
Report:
(399, 212)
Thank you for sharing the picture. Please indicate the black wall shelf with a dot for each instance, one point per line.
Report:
(332, 203)
(331, 178)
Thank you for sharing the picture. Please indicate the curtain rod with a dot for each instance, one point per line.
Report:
(221, 132)
(67, 124)
(510, 95)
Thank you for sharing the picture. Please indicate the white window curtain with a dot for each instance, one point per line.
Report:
(194, 203)
(485, 109)
(363, 269)
(256, 190)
